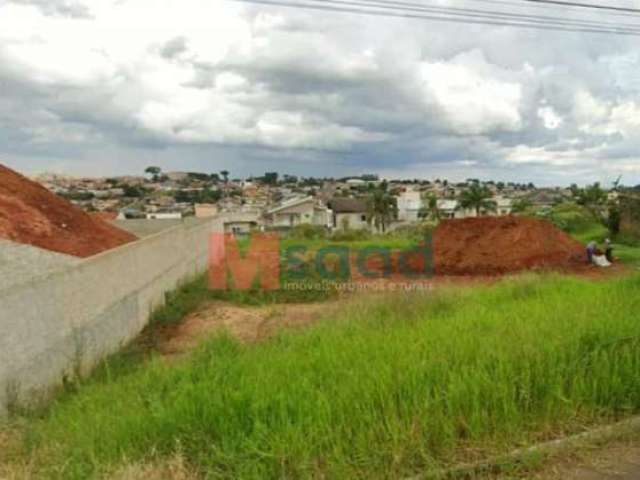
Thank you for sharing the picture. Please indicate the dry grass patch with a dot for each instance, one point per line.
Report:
(249, 324)
(13, 465)
(175, 468)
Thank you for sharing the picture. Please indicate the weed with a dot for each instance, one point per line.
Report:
(395, 385)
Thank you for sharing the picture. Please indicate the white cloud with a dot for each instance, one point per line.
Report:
(523, 154)
(267, 84)
(472, 94)
(550, 119)
(588, 111)
(625, 119)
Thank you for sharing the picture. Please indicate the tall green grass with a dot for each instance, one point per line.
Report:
(389, 387)
(627, 254)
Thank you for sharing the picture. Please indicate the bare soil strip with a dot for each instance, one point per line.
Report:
(248, 324)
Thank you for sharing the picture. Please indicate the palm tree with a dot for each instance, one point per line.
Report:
(429, 209)
(479, 198)
(382, 209)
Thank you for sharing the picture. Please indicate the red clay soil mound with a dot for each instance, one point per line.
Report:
(30, 214)
(106, 216)
(497, 245)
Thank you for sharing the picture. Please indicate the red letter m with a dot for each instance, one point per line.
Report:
(228, 269)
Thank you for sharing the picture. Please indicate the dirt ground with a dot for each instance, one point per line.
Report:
(616, 461)
(497, 245)
(247, 323)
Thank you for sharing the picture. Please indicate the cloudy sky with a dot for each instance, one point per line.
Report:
(109, 87)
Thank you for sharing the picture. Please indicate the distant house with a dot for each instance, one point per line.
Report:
(448, 208)
(299, 211)
(349, 213)
(451, 209)
(544, 199)
(241, 223)
(355, 182)
(409, 205)
(205, 210)
(503, 205)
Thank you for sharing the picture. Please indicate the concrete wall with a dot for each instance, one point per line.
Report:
(20, 263)
(72, 318)
(144, 227)
(353, 221)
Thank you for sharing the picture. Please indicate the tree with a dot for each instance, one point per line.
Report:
(203, 177)
(369, 177)
(382, 208)
(596, 201)
(616, 184)
(429, 208)
(133, 192)
(290, 178)
(203, 196)
(270, 178)
(575, 190)
(225, 175)
(521, 205)
(478, 198)
(593, 198)
(592, 195)
(154, 172)
(614, 218)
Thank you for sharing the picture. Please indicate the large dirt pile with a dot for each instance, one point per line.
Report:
(30, 214)
(496, 245)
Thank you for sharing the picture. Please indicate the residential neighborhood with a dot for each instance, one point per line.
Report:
(319, 239)
(274, 202)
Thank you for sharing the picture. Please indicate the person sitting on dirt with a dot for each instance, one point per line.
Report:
(608, 250)
(591, 250)
(598, 257)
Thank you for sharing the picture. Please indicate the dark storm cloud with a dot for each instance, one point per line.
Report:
(326, 92)
(174, 47)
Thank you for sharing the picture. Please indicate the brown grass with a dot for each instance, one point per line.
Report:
(174, 468)
(248, 324)
(13, 465)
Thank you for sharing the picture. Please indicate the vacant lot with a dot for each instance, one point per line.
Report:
(383, 388)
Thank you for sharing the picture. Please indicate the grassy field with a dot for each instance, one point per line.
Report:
(389, 387)
(392, 386)
(579, 223)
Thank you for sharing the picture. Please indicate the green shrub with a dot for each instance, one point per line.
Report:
(572, 218)
(308, 232)
(350, 235)
(416, 232)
